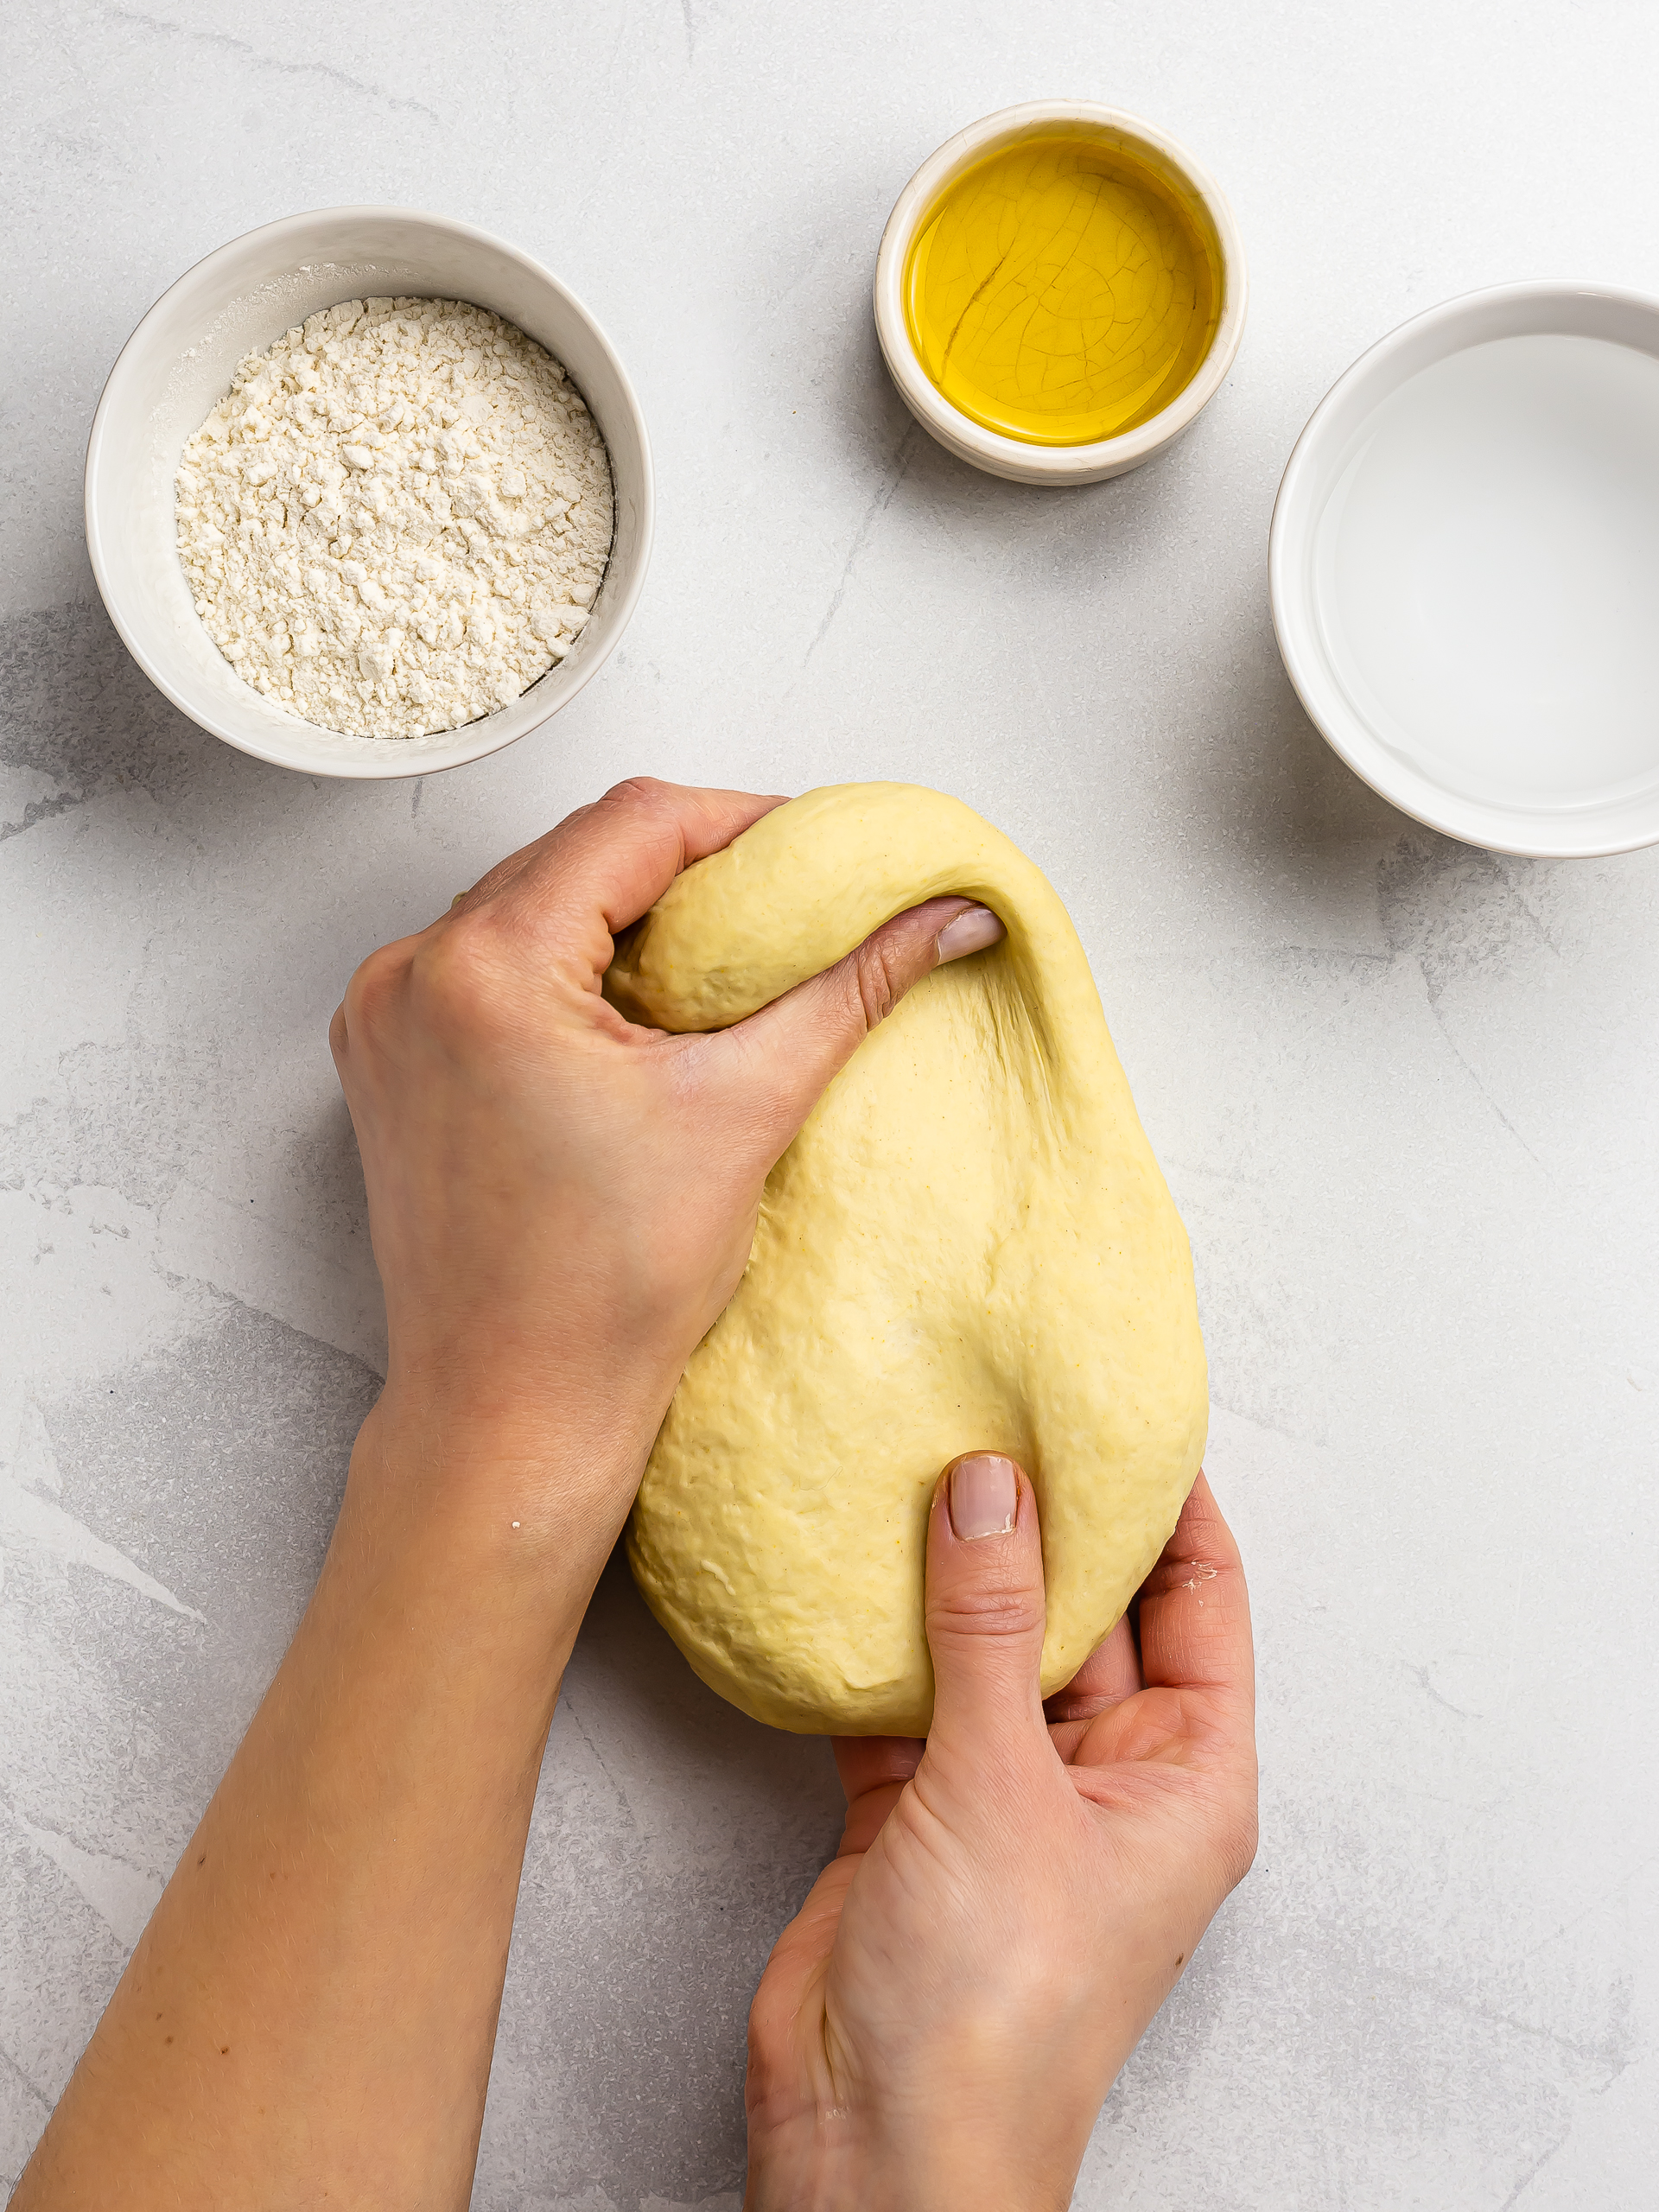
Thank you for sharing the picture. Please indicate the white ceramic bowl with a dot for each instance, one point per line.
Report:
(1465, 569)
(178, 363)
(1013, 457)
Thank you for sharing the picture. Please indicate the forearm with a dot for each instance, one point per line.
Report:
(312, 2010)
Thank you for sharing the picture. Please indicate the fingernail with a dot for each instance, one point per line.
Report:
(971, 932)
(983, 1495)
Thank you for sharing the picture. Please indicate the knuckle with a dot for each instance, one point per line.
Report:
(369, 993)
(999, 1608)
(452, 984)
(636, 792)
(875, 981)
(458, 970)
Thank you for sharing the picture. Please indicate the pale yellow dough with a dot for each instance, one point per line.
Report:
(969, 1247)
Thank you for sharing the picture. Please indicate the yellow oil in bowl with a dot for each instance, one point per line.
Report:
(1063, 290)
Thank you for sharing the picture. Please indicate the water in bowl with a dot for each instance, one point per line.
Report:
(1486, 573)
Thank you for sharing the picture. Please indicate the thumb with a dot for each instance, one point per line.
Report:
(985, 1610)
(802, 1040)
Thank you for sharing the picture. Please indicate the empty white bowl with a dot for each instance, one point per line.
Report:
(1013, 458)
(180, 362)
(1465, 569)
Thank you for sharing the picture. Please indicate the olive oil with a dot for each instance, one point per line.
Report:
(1063, 290)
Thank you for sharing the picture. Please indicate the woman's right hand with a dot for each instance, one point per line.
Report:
(1013, 1900)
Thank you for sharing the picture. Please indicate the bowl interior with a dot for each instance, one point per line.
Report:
(1466, 563)
(178, 363)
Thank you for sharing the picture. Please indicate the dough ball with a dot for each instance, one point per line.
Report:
(969, 1247)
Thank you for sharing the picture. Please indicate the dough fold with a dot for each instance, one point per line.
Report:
(969, 1247)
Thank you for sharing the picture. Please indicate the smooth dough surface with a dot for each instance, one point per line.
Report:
(969, 1247)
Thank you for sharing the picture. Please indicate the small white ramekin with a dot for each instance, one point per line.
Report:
(178, 363)
(1013, 457)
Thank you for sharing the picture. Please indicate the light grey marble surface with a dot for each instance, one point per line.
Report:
(1407, 1093)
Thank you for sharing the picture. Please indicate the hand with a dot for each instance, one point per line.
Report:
(1013, 1901)
(562, 1202)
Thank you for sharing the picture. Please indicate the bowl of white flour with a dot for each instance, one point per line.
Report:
(369, 494)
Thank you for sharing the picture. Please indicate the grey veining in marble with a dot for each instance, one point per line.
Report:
(1407, 1094)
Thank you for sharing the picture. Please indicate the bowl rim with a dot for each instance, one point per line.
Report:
(1487, 824)
(990, 448)
(369, 765)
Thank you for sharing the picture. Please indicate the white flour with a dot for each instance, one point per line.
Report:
(396, 520)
